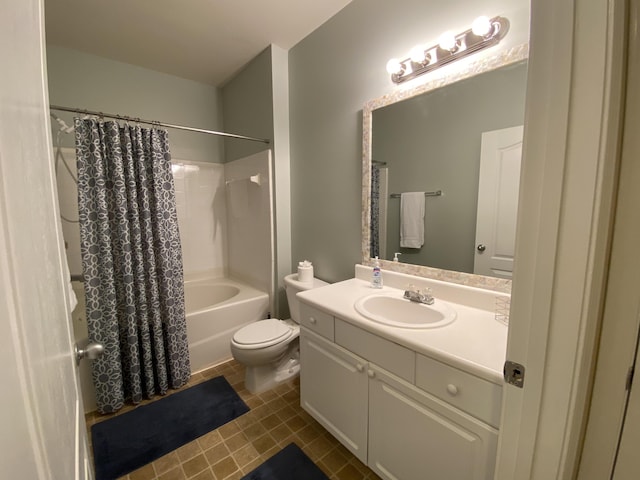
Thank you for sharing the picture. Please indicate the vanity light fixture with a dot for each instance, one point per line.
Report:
(484, 32)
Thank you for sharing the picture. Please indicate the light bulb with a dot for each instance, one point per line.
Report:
(394, 66)
(447, 41)
(481, 26)
(417, 54)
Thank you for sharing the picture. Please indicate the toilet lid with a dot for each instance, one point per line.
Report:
(264, 331)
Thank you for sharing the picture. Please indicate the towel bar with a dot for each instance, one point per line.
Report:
(437, 193)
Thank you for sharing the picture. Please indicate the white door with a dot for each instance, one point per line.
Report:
(612, 436)
(627, 463)
(43, 434)
(565, 206)
(414, 436)
(498, 190)
(333, 389)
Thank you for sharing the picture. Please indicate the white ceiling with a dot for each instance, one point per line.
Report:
(203, 40)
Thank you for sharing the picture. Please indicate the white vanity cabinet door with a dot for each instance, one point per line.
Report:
(414, 436)
(333, 389)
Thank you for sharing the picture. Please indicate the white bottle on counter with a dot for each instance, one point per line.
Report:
(376, 279)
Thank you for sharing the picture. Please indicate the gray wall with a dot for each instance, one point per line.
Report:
(432, 142)
(256, 103)
(247, 107)
(95, 83)
(333, 72)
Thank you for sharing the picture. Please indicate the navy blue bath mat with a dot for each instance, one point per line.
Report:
(290, 463)
(129, 441)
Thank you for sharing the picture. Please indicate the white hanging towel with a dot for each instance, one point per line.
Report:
(412, 219)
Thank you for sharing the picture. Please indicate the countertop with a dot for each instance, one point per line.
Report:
(475, 342)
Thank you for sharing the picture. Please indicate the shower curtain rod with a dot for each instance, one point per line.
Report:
(153, 122)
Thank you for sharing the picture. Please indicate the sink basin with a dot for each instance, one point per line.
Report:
(396, 311)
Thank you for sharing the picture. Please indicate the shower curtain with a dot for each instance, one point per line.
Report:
(374, 247)
(132, 261)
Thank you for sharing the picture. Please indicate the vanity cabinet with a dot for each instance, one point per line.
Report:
(333, 389)
(362, 388)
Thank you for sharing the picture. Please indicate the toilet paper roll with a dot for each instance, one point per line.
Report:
(305, 272)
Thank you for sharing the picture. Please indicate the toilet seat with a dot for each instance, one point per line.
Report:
(262, 334)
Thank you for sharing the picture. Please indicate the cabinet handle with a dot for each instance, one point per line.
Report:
(312, 320)
(371, 374)
(452, 389)
(360, 367)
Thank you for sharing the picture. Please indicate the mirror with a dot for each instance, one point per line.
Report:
(429, 139)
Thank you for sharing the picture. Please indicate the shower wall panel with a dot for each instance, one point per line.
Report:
(250, 231)
(202, 217)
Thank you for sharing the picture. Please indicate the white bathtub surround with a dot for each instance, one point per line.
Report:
(200, 202)
(202, 215)
(206, 229)
(238, 194)
(216, 308)
(226, 231)
(250, 232)
(226, 226)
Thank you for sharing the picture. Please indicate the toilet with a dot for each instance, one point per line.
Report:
(269, 349)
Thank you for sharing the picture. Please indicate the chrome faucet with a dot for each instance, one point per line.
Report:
(415, 295)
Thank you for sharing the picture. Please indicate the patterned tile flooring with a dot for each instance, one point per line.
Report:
(233, 450)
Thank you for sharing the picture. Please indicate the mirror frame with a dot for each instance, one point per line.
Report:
(502, 59)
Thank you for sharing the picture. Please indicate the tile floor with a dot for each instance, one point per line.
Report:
(233, 450)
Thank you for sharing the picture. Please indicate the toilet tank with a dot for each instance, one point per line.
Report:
(292, 287)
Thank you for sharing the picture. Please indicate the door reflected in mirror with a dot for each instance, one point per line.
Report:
(465, 140)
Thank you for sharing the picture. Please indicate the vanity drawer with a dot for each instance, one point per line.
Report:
(392, 357)
(471, 394)
(316, 320)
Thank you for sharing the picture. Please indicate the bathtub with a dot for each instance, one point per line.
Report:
(215, 310)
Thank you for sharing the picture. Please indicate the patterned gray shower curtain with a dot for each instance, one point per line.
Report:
(374, 247)
(132, 261)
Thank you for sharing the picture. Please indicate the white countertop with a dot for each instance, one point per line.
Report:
(475, 342)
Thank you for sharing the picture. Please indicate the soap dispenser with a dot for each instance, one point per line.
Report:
(376, 279)
(395, 257)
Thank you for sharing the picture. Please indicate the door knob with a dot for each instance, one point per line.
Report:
(481, 248)
(92, 351)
